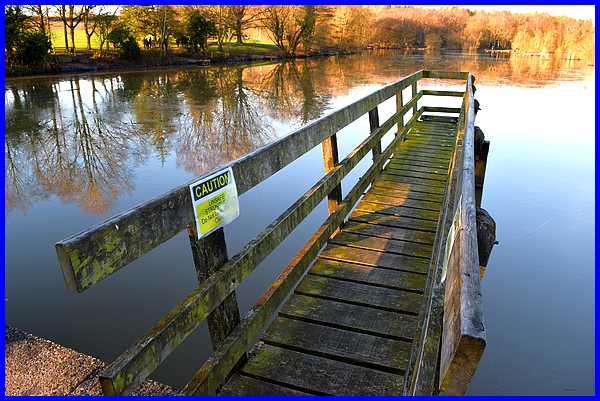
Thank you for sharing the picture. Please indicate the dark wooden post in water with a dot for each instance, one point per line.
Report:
(482, 148)
(399, 105)
(374, 124)
(330, 160)
(414, 93)
(210, 254)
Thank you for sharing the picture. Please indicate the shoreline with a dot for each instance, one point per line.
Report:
(74, 69)
(36, 366)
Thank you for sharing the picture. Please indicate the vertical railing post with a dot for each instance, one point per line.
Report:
(210, 253)
(330, 160)
(399, 105)
(374, 124)
(414, 93)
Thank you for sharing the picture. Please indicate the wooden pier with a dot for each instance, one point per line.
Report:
(384, 299)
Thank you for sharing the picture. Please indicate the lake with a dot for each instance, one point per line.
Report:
(80, 149)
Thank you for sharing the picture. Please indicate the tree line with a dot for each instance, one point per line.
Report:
(294, 29)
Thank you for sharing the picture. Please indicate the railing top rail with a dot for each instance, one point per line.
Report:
(95, 253)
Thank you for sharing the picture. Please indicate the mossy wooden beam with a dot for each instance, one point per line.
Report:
(94, 254)
(134, 365)
(464, 336)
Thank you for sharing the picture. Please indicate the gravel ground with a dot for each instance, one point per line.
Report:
(34, 366)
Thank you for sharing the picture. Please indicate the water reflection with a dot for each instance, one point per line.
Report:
(82, 138)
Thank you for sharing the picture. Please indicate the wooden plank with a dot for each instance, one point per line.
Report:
(417, 174)
(319, 375)
(358, 318)
(434, 154)
(342, 345)
(442, 172)
(96, 253)
(400, 211)
(429, 92)
(360, 294)
(399, 176)
(400, 234)
(445, 75)
(400, 200)
(249, 386)
(393, 221)
(408, 184)
(382, 244)
(369, 275)
(418, 163)
(403, 191)
(442, 109)
(421, 159)
(375, 258)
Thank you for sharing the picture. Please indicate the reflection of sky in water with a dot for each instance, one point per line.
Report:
(153, 131)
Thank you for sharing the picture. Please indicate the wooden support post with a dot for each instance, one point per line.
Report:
(374, 124)
(414, 93)
(399, 104)
(331, 159)
(210, 253)
(482, 148)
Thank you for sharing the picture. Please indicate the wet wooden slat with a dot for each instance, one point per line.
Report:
(318, 374)
(348, 346)
(360, 294)
(416, 174)
(346, 316)
(244, 385)
(400, 234)
(404, 191)
(369, 275)
(400, 211)
(403, 200)
(382, 244)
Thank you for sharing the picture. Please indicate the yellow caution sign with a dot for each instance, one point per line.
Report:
(215, 202)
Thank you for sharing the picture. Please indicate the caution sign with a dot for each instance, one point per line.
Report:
(215, 202)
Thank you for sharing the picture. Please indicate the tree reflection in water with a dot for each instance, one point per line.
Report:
(82, 138)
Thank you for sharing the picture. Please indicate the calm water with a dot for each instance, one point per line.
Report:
(80, 149)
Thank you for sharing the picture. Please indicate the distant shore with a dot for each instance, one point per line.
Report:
(84, 62)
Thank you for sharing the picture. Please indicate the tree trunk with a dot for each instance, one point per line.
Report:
(73, 40)
(66, 36)
(238, 33)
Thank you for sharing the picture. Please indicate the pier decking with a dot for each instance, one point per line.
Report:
(351, 323)
(384, 298)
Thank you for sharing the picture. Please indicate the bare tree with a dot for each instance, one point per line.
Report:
(70, 16)
(242, 18)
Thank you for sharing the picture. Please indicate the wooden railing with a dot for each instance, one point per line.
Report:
(452, 334)
(93, 255)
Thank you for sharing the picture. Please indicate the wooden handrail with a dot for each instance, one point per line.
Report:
(452, 334)
(92, 255)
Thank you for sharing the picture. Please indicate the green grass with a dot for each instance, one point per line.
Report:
(250, 46)
(247, 47)
(58, 39)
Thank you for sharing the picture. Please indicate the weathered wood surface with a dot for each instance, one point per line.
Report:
(131, 367)
(350, 325)
(464, 337)
(360, 306)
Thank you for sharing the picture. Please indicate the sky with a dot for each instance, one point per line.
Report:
(580, 12)
(574, 11)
